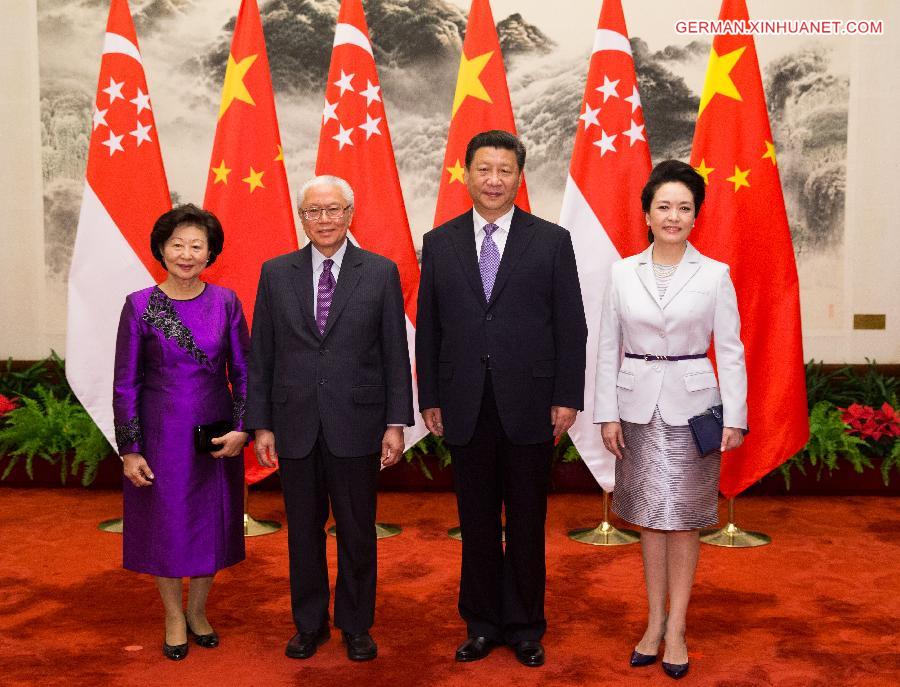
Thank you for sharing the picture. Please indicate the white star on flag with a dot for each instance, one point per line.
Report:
(100, 118)
(142, 133)
(634, 99)
(371, 126)
(371, 93)
(343, 136)
(608, 89)
(345, 83)
(589, 116)
(605, 142)
(330, 112)
(141, 100)
(114, 90)
(114, 143)
(634, 133)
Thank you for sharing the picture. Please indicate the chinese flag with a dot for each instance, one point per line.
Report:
(744, 224)
(355, 144)
(481, 102)
(247, 187)
(601, 206)
(125, 191)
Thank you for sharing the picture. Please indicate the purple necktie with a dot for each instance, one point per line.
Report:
(489, 260)
(325, 293)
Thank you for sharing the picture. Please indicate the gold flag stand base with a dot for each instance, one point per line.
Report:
(257, 528)
(732, 536)
(254, 527)
(383, 530)
(456, 533)
(113, 526)
(604, 534)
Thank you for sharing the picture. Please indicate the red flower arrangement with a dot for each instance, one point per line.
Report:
(6, 404)
(871, 424)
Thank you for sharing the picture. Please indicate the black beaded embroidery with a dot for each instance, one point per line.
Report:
(129, 433)
(237, 412)
(161, 315)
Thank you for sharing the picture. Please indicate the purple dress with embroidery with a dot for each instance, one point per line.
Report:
(174, 362)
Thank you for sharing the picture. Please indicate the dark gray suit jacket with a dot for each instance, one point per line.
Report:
(533, 328)
(353, 381)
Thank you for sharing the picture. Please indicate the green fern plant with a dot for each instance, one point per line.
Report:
(55, 430)
(891, 461)
(828, 443)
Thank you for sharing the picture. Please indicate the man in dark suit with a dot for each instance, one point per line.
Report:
(500, 355)
(329, 392)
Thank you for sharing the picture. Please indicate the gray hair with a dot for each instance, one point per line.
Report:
(326, 180)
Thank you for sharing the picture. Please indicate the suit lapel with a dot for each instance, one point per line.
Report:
(302, 283)
(348, 278)
(644, 271)
(463, 235)
(687, 268)
(521, 231)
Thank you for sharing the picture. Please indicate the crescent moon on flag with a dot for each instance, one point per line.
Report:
(604, 39)
(113, 43)
(347, 34)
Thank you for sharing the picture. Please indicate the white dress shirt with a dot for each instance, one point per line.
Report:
(500, 234)
(317, 260)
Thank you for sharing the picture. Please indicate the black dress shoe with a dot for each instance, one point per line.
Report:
(639, 660)
(175, 652)
(529, 653)
(676, 671)
(207, 641)
(360, 647)
(304, 644)
(474, 649)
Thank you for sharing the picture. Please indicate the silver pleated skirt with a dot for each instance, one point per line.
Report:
(662, 482)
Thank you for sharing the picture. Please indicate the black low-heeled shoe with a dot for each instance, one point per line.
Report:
(207, 641)
(175, 652)
(676, 671)
(639, 660)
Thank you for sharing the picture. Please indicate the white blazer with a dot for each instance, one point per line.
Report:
(699, 302)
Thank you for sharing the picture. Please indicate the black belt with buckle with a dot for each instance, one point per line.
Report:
(648, 357)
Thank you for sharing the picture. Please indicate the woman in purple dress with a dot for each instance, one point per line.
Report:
(179, 346)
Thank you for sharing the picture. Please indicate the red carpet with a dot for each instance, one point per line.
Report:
(818, 607)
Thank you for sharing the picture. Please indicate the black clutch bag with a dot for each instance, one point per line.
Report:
(204, 434)
(706, 428)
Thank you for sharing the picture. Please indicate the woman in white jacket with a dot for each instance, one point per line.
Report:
(661, 309)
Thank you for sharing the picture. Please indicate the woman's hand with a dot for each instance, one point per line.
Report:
(232, 444)
(136, 470)
(613, 438)
(732, 437)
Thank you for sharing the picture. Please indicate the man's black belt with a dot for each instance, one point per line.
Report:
(648, 357)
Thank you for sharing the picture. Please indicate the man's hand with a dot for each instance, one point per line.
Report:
(232, 444)
(433, 421)
(731, 438)
(391, 446)
(562, 418)
(264, 446)
(613, 439)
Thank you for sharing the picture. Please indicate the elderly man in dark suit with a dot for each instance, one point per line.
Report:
(500, 355)
(329, 392)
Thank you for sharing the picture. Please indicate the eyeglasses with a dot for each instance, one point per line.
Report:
(331, 212)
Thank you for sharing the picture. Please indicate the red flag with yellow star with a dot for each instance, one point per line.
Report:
(355, 144)
(744, 224)
(247, 187)
(481, 102)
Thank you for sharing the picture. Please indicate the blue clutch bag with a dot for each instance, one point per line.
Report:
(706, 428)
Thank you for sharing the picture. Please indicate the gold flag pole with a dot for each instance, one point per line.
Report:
(254, 527)
(732, 536)
(604, 534)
